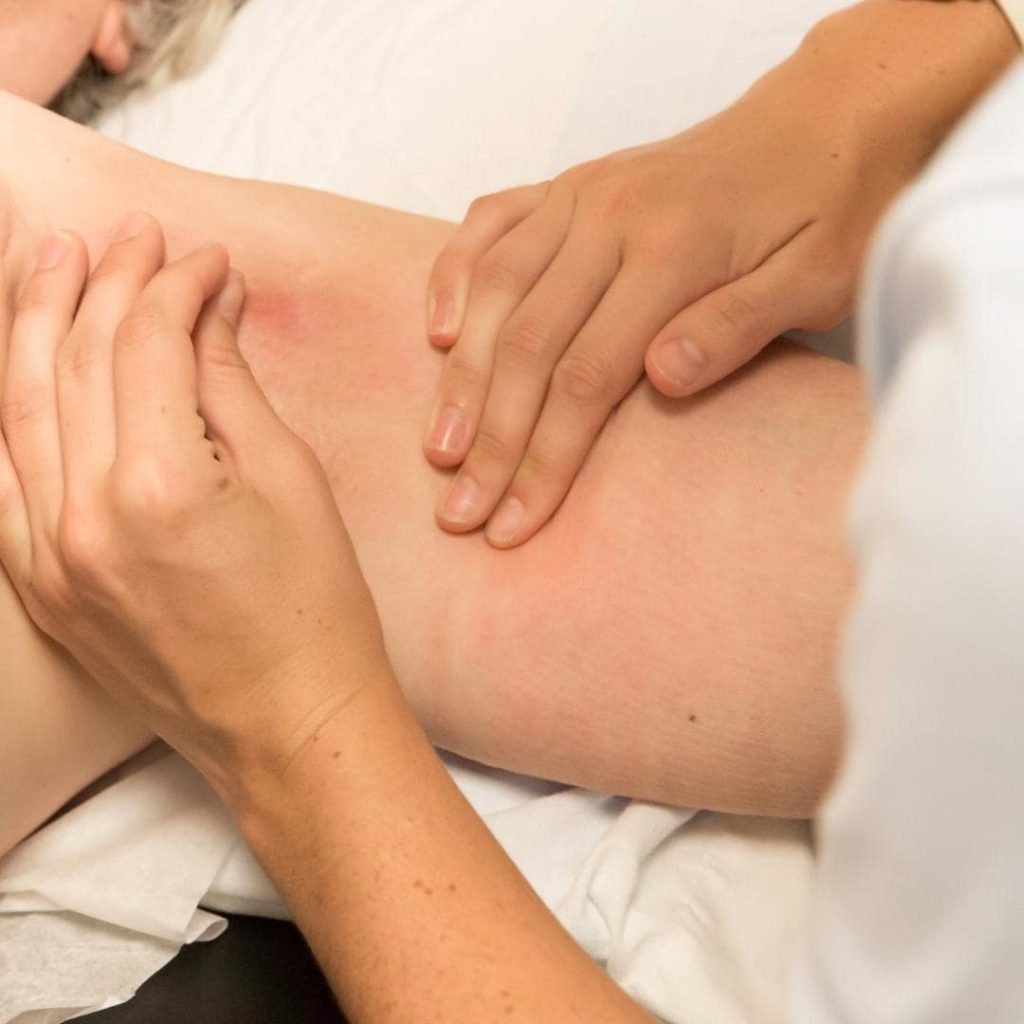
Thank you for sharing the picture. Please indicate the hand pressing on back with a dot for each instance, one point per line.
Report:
(159, 520)
(682, 259)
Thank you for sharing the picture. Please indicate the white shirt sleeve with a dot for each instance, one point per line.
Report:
(919, 914)
(1014, 11)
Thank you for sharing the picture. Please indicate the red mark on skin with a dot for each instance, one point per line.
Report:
(274, 314)
(329, 331)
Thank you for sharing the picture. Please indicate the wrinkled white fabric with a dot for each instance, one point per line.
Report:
(920, 912)
(100, 899)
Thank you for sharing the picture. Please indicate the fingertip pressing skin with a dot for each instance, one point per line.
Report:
(459, 509)
(677, 367)
(448, 435)
(232, 298)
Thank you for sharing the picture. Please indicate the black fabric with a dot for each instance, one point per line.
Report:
(258, 972)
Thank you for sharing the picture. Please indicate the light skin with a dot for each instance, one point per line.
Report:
(577, 657)
(186, 478)
(43, 43)
(150, 491)
(556, 298)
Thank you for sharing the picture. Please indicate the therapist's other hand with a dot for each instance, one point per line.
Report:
(684, 258)
(158, 519)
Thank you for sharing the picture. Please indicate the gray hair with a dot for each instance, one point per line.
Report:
(172, 38)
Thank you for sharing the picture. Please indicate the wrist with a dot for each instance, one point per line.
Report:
(910, 68)
(260, 767)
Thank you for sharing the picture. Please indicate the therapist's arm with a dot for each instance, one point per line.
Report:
(412, 908)
(687, 256)
(197, 564)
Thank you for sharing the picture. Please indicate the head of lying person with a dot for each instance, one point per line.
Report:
(78, 56)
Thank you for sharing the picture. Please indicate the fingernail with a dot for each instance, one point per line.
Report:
(681, 362)
(53, 249)
(462, 501)
(232, 296)
(505, 523)
(441, 317)
(449, 433)
(132, 226)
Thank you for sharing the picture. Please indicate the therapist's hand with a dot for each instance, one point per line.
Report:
(158, 519)
(684, 258)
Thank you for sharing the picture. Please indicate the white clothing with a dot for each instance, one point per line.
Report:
(1014, 11)
(919, 914)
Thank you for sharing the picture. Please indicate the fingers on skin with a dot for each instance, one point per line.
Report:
(600, 368)
(237, 414)
(155, 386)
(503, 277)
(30, 418)
(488, 219)
(528, 350)
(85, 384)
(720, 332)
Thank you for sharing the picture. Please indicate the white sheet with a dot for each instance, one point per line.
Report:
(423, 106)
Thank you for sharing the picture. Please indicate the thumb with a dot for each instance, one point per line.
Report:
(236, 411)
(725, 329)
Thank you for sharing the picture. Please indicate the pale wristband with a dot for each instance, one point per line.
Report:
(1014, 11)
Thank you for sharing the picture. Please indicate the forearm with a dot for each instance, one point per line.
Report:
(916, 65)
(410, 905)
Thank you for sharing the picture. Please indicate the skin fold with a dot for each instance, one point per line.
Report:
(583, 657)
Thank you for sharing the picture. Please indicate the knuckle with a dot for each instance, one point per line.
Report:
(526, 337)
(500, 271)
(621, 196)
(144, 325)
(23, 406)
(659, 241)
(583, 379)
(82, 543)
(541, 469)
(461, 375)
(492, 446)
(589, 174)
(51, 587)
(79, 356)
(487, 206)
(740, 314)
(149, 489)
(112, 265)
(222, 357)
(32, 300)
(183, 281)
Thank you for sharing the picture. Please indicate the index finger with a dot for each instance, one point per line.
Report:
(488, 219)
(155, 391)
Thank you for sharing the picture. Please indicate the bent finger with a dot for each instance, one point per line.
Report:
(488, 219)
(155, 388)
(85, 375)
(717, 334)
(602, 365)
(528, 349)
(30, 415)
(240, 420)
(502, 279)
